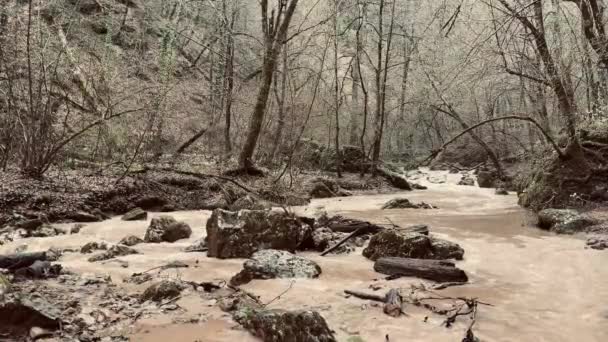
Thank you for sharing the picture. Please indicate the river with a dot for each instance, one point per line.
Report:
(542, 287)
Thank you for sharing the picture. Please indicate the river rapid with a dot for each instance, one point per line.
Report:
(542, 287)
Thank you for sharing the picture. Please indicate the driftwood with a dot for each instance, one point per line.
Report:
(341, 242)
(437, 270)
(393, 302)
(14, 262)
(417, 228)
(345, 225)
(368, 296)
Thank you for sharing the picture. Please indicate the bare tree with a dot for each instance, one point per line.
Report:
(275, 33)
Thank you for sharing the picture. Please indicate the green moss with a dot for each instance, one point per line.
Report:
(355, 339)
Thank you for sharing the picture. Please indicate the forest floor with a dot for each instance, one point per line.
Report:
(89, 195)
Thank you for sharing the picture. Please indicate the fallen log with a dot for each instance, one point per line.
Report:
(437, 270)
(393, 302)
(417, 228)
(363, 295)
(350, 225)
(14, 262)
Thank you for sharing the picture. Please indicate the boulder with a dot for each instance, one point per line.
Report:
(326, 188)
(564, 221)
(161, 291)
(29, 311)
(320, 190)
(240, 234)
(397, 243)
(285, 326)
(501, 192)
(30, 224)
(113, 252)
(395, 179)
(486, 179)
(270, 264)
(599, 242)
(467, 181)
(135, 214)
(77, 228)
(199, 245)
(437, 179)
(82, 216)
(130, 241)
(404, 203)
(93, 246)
(47, 231)
(167, 229)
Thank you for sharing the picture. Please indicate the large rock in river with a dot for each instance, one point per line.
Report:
(564, 221)
(270, 264)
(240, 234)
(395, 243)
(285, 326)
(167, 229)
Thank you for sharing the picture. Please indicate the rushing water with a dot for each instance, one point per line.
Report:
(542, 287)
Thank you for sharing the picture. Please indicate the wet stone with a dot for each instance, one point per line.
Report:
(167, 229)
(240, 234)
(404, 203)
(270, 264)
(162, 291)
(396, 243)
(93, 246)
(130, 240)
(113, 252)
(135, 214)
(564, 221)
(282, 326)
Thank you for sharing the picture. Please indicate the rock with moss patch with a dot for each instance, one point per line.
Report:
(599, 242)
(486, 179)
(90, 247)
(396, 243)
(161, 291)
(466, 181)
(564, 221)
(113, 252)
(285, 326)
(501, 192)
(136, 214)
(270, 264)
(404, 203)
(130, 241)
(240, 234)
(167, 229)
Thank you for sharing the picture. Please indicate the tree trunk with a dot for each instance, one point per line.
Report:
(229, 88)
(337, 94)
(273, 43)
(278, 135)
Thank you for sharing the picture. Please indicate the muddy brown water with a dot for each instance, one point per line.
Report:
(543, 287)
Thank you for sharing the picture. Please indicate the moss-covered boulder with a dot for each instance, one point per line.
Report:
(240, 234)
(564, 221)
(285, 326)
(270, 264)
(167, 229)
